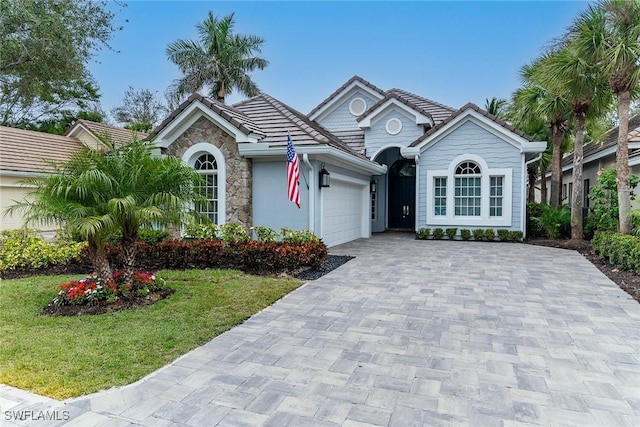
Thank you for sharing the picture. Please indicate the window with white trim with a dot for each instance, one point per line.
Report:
(440, 195)
(496, 195)
(469, 193)
(468, 189)
(206, 166)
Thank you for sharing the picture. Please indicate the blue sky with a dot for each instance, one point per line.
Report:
(452, 52)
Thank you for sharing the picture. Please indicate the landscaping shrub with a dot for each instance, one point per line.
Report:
(490, 234)
(622, 251)
(516, 235)
(478, 234)
(25, 248)
(553, 220)
(201, 231)
(503, 235)
(465, 234)
(144, 235)
(603, 215)
(265, 234)
(233, 233)
(451, 233)
(534, 210)
(424, 233)
(438, 233)
(298, 236)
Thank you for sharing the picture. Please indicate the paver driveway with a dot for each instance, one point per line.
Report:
(410, 333)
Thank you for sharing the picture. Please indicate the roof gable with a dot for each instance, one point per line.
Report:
(471, 112)
(96, 130)
(392, 101)
(336, 98)
(233, 121)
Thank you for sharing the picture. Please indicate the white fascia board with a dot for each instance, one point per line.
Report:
(602, 154)
(420, 119)
(534, 147)
(480, 120)
(189, 116)
(409, 152)
(328, 107)
(330, 154)
(19, 174)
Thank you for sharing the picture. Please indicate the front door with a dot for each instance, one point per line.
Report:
(402, 194)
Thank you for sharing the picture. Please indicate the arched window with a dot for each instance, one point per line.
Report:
(468, 189)
(207, 166)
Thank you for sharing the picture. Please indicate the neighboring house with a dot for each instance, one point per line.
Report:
(396, 161)
(26, 154)
(596, 157)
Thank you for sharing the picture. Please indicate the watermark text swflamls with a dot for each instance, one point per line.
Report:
(37, 415)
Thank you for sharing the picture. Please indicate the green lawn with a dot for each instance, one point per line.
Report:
(63, 357)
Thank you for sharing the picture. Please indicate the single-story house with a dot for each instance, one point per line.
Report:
(394, 160)
(25, 154)
(596, 157)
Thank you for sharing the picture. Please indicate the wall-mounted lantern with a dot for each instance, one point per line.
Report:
(325, 178)
(374, 185)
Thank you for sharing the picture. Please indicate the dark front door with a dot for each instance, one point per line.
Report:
(402, 194)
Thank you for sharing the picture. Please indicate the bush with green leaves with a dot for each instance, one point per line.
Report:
(233, 233)
(298, 236)
(490, 234)
(478, 234)
(451, 233)
(25, 248)
(202, 231)
(265, 234)
(516, 235)
(603, 215)
(438, 233)
(503, 235)
(144, 235)
(534, 229)
(552, 220)
(622, 251)
(424, 233)
(465, 234)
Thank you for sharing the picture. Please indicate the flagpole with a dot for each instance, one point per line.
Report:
(301, 170)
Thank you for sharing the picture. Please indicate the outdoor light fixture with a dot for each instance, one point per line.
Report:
(374, 185)
(325, 178)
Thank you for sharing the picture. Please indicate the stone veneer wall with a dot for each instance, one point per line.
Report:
(239, 178)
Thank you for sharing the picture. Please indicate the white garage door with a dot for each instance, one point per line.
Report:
(343, 216)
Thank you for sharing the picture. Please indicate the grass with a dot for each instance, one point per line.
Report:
(64, 357)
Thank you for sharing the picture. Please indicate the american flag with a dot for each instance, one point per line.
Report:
(293, 173)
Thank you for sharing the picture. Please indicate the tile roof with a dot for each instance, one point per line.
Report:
(117, 134)
(276, 119)
(438, 112)
(609, 140)
(353, 138)
(227, 112)
(24, 150)
(469, 106)
(343, 87)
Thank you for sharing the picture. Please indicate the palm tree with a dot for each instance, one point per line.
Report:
(100, 192)
(535, 101)
(496, 106)
(585, 89)
(219, 60)
(611, 39)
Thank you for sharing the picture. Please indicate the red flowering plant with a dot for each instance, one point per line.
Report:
(94, 291)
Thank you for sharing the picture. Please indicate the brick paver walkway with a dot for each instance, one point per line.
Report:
(410, 333)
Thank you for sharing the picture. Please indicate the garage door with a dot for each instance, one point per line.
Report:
(343, 216)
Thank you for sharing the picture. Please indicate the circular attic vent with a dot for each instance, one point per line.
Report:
(394, 126)
(357, 106)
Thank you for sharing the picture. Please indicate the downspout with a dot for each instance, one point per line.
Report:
(417, 199)
(523, 196)
(312, 197)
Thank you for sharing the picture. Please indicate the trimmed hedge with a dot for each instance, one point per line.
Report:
(623, 251)
(252, 256)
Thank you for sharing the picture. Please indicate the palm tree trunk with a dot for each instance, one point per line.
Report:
(533, 174)
(221, 91)
(100, 262)
(576, 202)
(128, 258)
(622, 163)
(556, 166)
(543, 187)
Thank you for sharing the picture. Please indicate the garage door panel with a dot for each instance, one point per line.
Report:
(342, 212)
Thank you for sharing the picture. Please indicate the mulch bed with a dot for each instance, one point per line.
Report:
(79, 310)
(628, 281)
